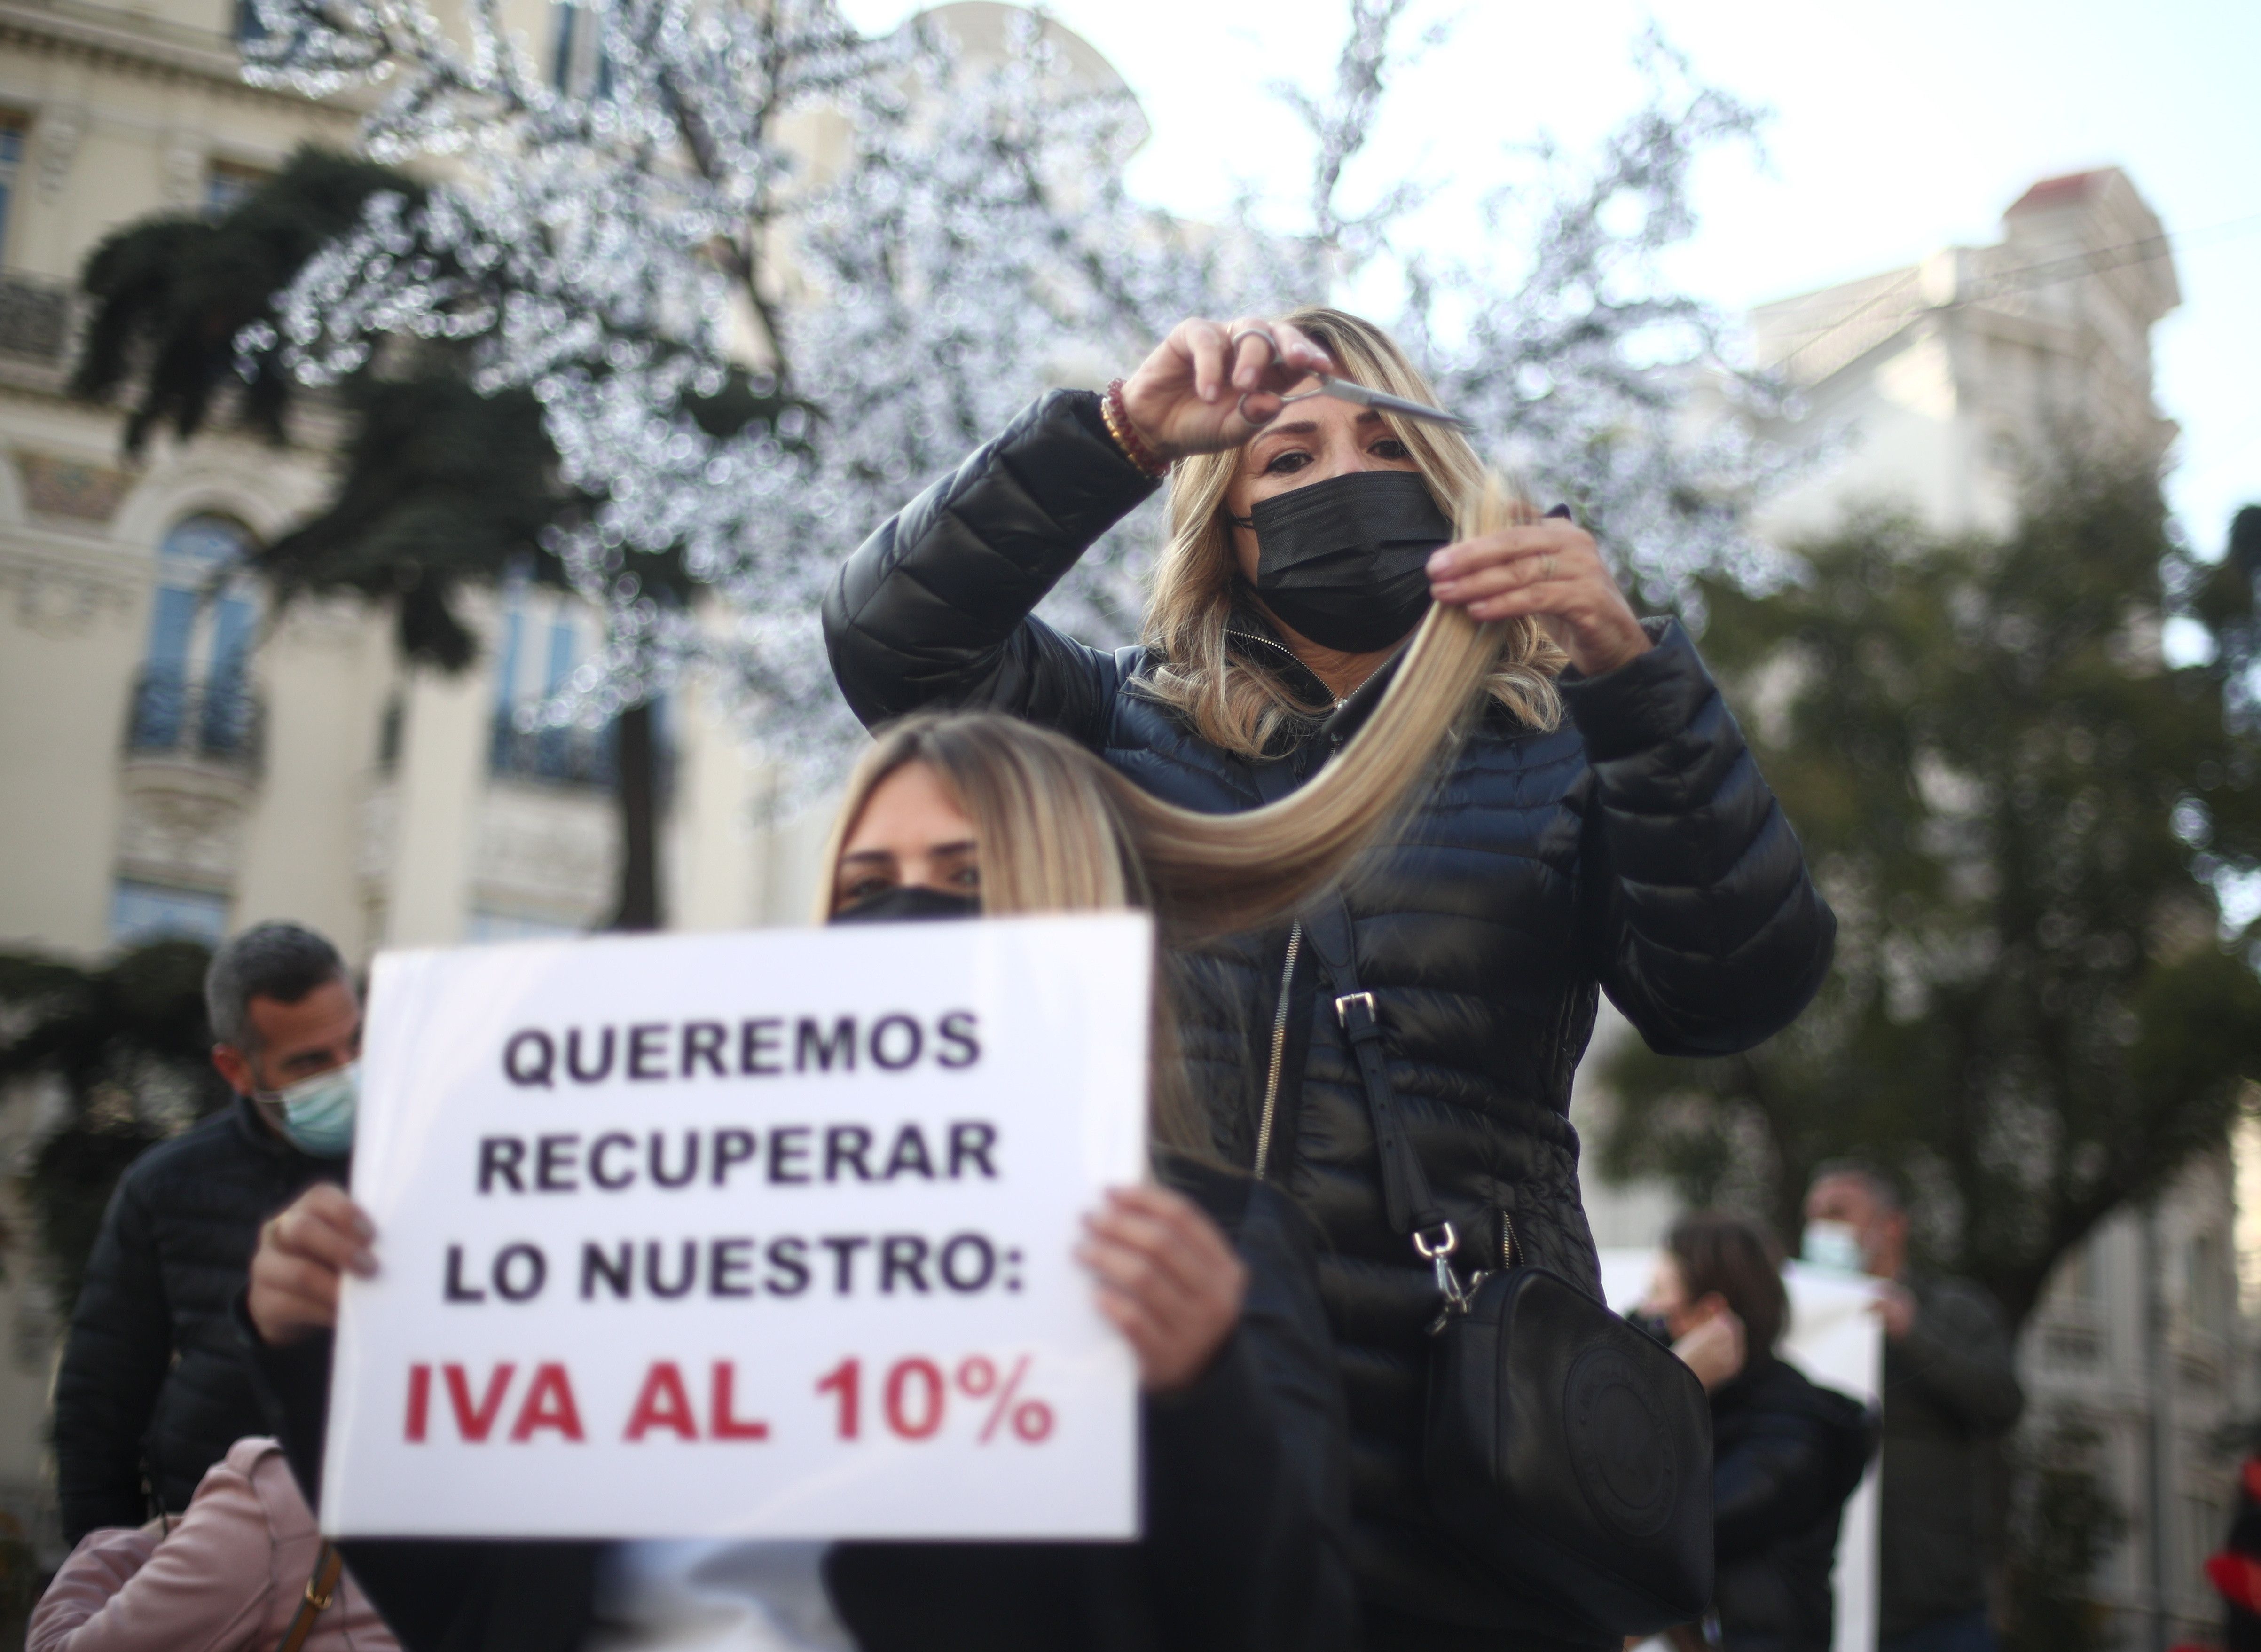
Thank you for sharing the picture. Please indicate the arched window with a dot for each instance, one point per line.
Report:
(542, 640)
(544, 636)
(578, 64)
(194, 693)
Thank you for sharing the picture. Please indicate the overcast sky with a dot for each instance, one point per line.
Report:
(1895, 131)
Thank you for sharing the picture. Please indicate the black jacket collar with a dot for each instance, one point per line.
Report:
(1250, 636)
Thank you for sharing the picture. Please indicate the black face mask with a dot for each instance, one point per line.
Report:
(910, 901)
(1346, 561)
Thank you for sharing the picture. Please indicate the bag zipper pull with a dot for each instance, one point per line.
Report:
(1435, 1247)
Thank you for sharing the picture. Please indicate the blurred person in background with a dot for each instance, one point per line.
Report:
(1951, 1391)
(242, 1570)
(1785, 1454)
(156, 1385)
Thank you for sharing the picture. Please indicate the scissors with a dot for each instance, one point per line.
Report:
(1343, 390)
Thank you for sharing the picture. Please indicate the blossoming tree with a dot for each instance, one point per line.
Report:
(894, 242)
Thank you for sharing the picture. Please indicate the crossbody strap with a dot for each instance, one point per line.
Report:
(1406, 1195)
(322, 1588)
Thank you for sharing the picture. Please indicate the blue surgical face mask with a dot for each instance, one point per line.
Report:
(1833, 1245)
(318, 1113)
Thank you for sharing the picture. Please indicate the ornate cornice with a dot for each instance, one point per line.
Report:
(140, 46)
(59, 589)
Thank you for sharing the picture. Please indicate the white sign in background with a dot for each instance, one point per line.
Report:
(1837, 1341)
(855, 1313)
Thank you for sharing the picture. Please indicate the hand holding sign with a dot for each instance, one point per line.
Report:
(1169, 1282)
(302, 1256)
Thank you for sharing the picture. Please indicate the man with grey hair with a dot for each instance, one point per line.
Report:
(155, 1384)
(1951, 1391)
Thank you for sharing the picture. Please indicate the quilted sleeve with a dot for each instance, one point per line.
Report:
(1699, 917)
(935, 608)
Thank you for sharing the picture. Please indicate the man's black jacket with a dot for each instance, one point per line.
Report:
(1785, 1455)
(1635, 850)
(1246, 1501)
(1951, 1391)
(154, 1376)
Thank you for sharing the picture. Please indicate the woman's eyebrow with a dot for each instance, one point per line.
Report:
(963, 847)
(1367, 418)
(1260, 449)
(862, 855)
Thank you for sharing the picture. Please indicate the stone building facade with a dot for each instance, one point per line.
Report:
(1943, 383)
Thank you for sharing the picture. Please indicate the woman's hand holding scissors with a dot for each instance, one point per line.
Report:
(1210, 385)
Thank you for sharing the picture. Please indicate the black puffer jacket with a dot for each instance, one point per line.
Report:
(1785, 1455)
(1951, 1392)
(155, 1377)
(1635, 849)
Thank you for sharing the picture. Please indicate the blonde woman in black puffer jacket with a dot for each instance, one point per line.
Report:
(1602, 828)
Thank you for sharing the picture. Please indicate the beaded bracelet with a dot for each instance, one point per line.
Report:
(1118, 426)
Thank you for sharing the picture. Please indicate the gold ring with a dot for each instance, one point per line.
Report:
(1547, 567)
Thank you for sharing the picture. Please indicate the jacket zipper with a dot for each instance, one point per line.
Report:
(1279, 1053)
(1509, 1250)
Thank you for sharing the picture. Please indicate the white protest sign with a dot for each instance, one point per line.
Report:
(744, 1235)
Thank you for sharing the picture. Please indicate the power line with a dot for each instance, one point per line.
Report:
(2103, 258)
(2024, 277)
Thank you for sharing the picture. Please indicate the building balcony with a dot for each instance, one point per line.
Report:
(35, 318)
(218, 721)
(193, 752)
(581, 758)
(39, 324)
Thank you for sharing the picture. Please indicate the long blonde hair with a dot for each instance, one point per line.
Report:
(1243, 704)
(1058, 831)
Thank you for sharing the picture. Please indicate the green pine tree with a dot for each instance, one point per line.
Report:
(2061, 1529)
(128, 1046)
(171, 291)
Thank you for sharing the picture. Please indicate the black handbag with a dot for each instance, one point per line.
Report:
(1562, 1447)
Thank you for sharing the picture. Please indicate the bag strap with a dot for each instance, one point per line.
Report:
(322, 1588)
(1406, 1195)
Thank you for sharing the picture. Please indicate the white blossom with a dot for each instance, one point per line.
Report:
(955, 238)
